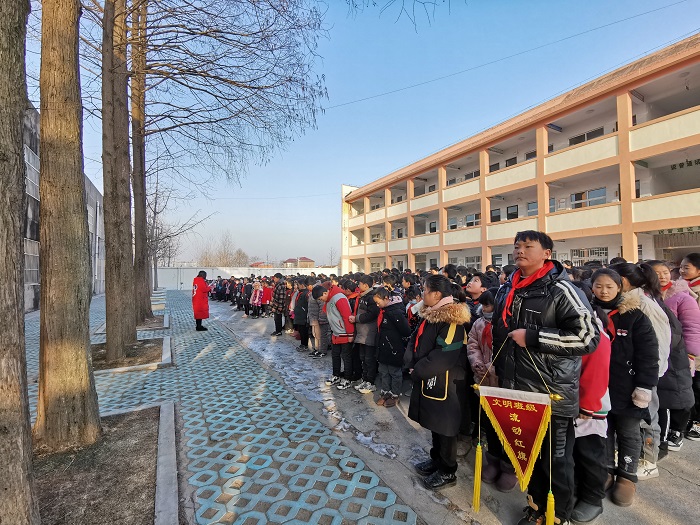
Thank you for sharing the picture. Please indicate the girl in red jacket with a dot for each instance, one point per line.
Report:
(200, 299)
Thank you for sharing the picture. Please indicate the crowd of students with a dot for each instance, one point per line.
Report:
(617, 342)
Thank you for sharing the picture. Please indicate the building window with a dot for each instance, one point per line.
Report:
(497, 259)
(399, 233)
(531, 208)
(452, 223)
(588, 198)
(398, 198)
(510, 259)
(375, 237)
(583, 137)
(473, 261)
(432, 226)
(31, 262)
(452, 181)
(552, 204)
(512, 212)
(473, 219)
(433, 263)
(375, 266)
(431, 188)
(640, 256)
(550, 148)
(512, 161)
(472, 175)
(494, 167)
(579, 257)
(496, 215)
(375, 206)
(531, 154)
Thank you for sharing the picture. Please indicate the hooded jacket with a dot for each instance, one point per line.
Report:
(480, 352)
(338, 311)
(675, 387)
(686, 309)
(392, 332)
(634, 358)
(366, 312)
(559, 330)
(662, 327)
(437, 355)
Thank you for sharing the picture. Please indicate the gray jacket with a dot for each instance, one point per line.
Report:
(316, 313)
(366, 319)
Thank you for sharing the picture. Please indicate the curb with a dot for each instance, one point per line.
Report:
(102, 329)
(166, 498)
(166, 361)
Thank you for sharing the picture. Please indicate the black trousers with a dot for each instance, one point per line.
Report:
(591, 470)
(342, 352)
(624, 431)
(246, 306)
(368, 361)
(303, 330)
(673, 419)
(562, 468)
(444, 452)
(695, 412)
(278, 322)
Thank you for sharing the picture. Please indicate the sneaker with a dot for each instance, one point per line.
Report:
(302, 348)
(439, 479)
(694, 433)
(343, 384)
(359, 385)
(244, 316)
(367, 389)
(647, 470)
(275, 334)
(318, 355)
(312, 353)
(333, 380)
(675, 440)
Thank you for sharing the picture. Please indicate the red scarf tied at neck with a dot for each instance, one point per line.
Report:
(517, 284)
(666, 286)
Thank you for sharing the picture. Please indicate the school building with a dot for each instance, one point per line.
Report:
(611, 168)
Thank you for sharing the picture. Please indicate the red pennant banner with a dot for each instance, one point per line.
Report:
(520, 420)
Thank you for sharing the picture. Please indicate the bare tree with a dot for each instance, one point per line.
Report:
(225, 249)
(67, 411)
(18, 504)
(241, 259)
(119, 266)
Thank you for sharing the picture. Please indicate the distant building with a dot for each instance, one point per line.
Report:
(300, 262)
(261, 264)
(95, 218)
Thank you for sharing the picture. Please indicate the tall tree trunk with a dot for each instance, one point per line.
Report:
(142, 290)
(119, 268)
(67, 411)
(155, 272)
(17, 502)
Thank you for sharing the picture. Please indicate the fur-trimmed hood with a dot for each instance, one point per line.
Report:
(630, 301)
(457, 313)
(679, 286)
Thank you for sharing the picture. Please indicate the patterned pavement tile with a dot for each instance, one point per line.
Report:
(254, 453)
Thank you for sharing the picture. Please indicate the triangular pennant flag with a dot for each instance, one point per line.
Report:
(520, 420)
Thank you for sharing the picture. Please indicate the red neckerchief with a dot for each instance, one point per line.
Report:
(611, 326)
(666, 286)
(420, 333)
(487, 337)
(694, 282)
(380, 317)
(517, 284)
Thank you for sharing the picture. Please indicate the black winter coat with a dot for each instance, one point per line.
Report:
(439, 363)
(559, 330)
(675, 387)
(392, 331)
(366, 319)
(634, 357)
(301, 308)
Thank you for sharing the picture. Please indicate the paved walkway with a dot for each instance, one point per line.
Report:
(250, 451)
(262, 439)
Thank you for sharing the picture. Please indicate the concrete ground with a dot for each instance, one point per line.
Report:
(389, 442)
(262, 439)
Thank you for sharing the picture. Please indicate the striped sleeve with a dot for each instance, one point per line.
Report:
(575, 332)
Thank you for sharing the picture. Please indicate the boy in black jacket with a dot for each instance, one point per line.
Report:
(393, 328)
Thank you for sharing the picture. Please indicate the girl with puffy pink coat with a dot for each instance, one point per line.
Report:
(681, 297)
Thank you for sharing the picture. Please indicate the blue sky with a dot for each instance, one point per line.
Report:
(291, 206)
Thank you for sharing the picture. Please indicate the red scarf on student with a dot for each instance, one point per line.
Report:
(695, 282)
(517, 284)
(380, 318)
(611, 326)
(487, 336)
(666, 286)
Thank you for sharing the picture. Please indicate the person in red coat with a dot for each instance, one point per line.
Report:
(200, 299)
